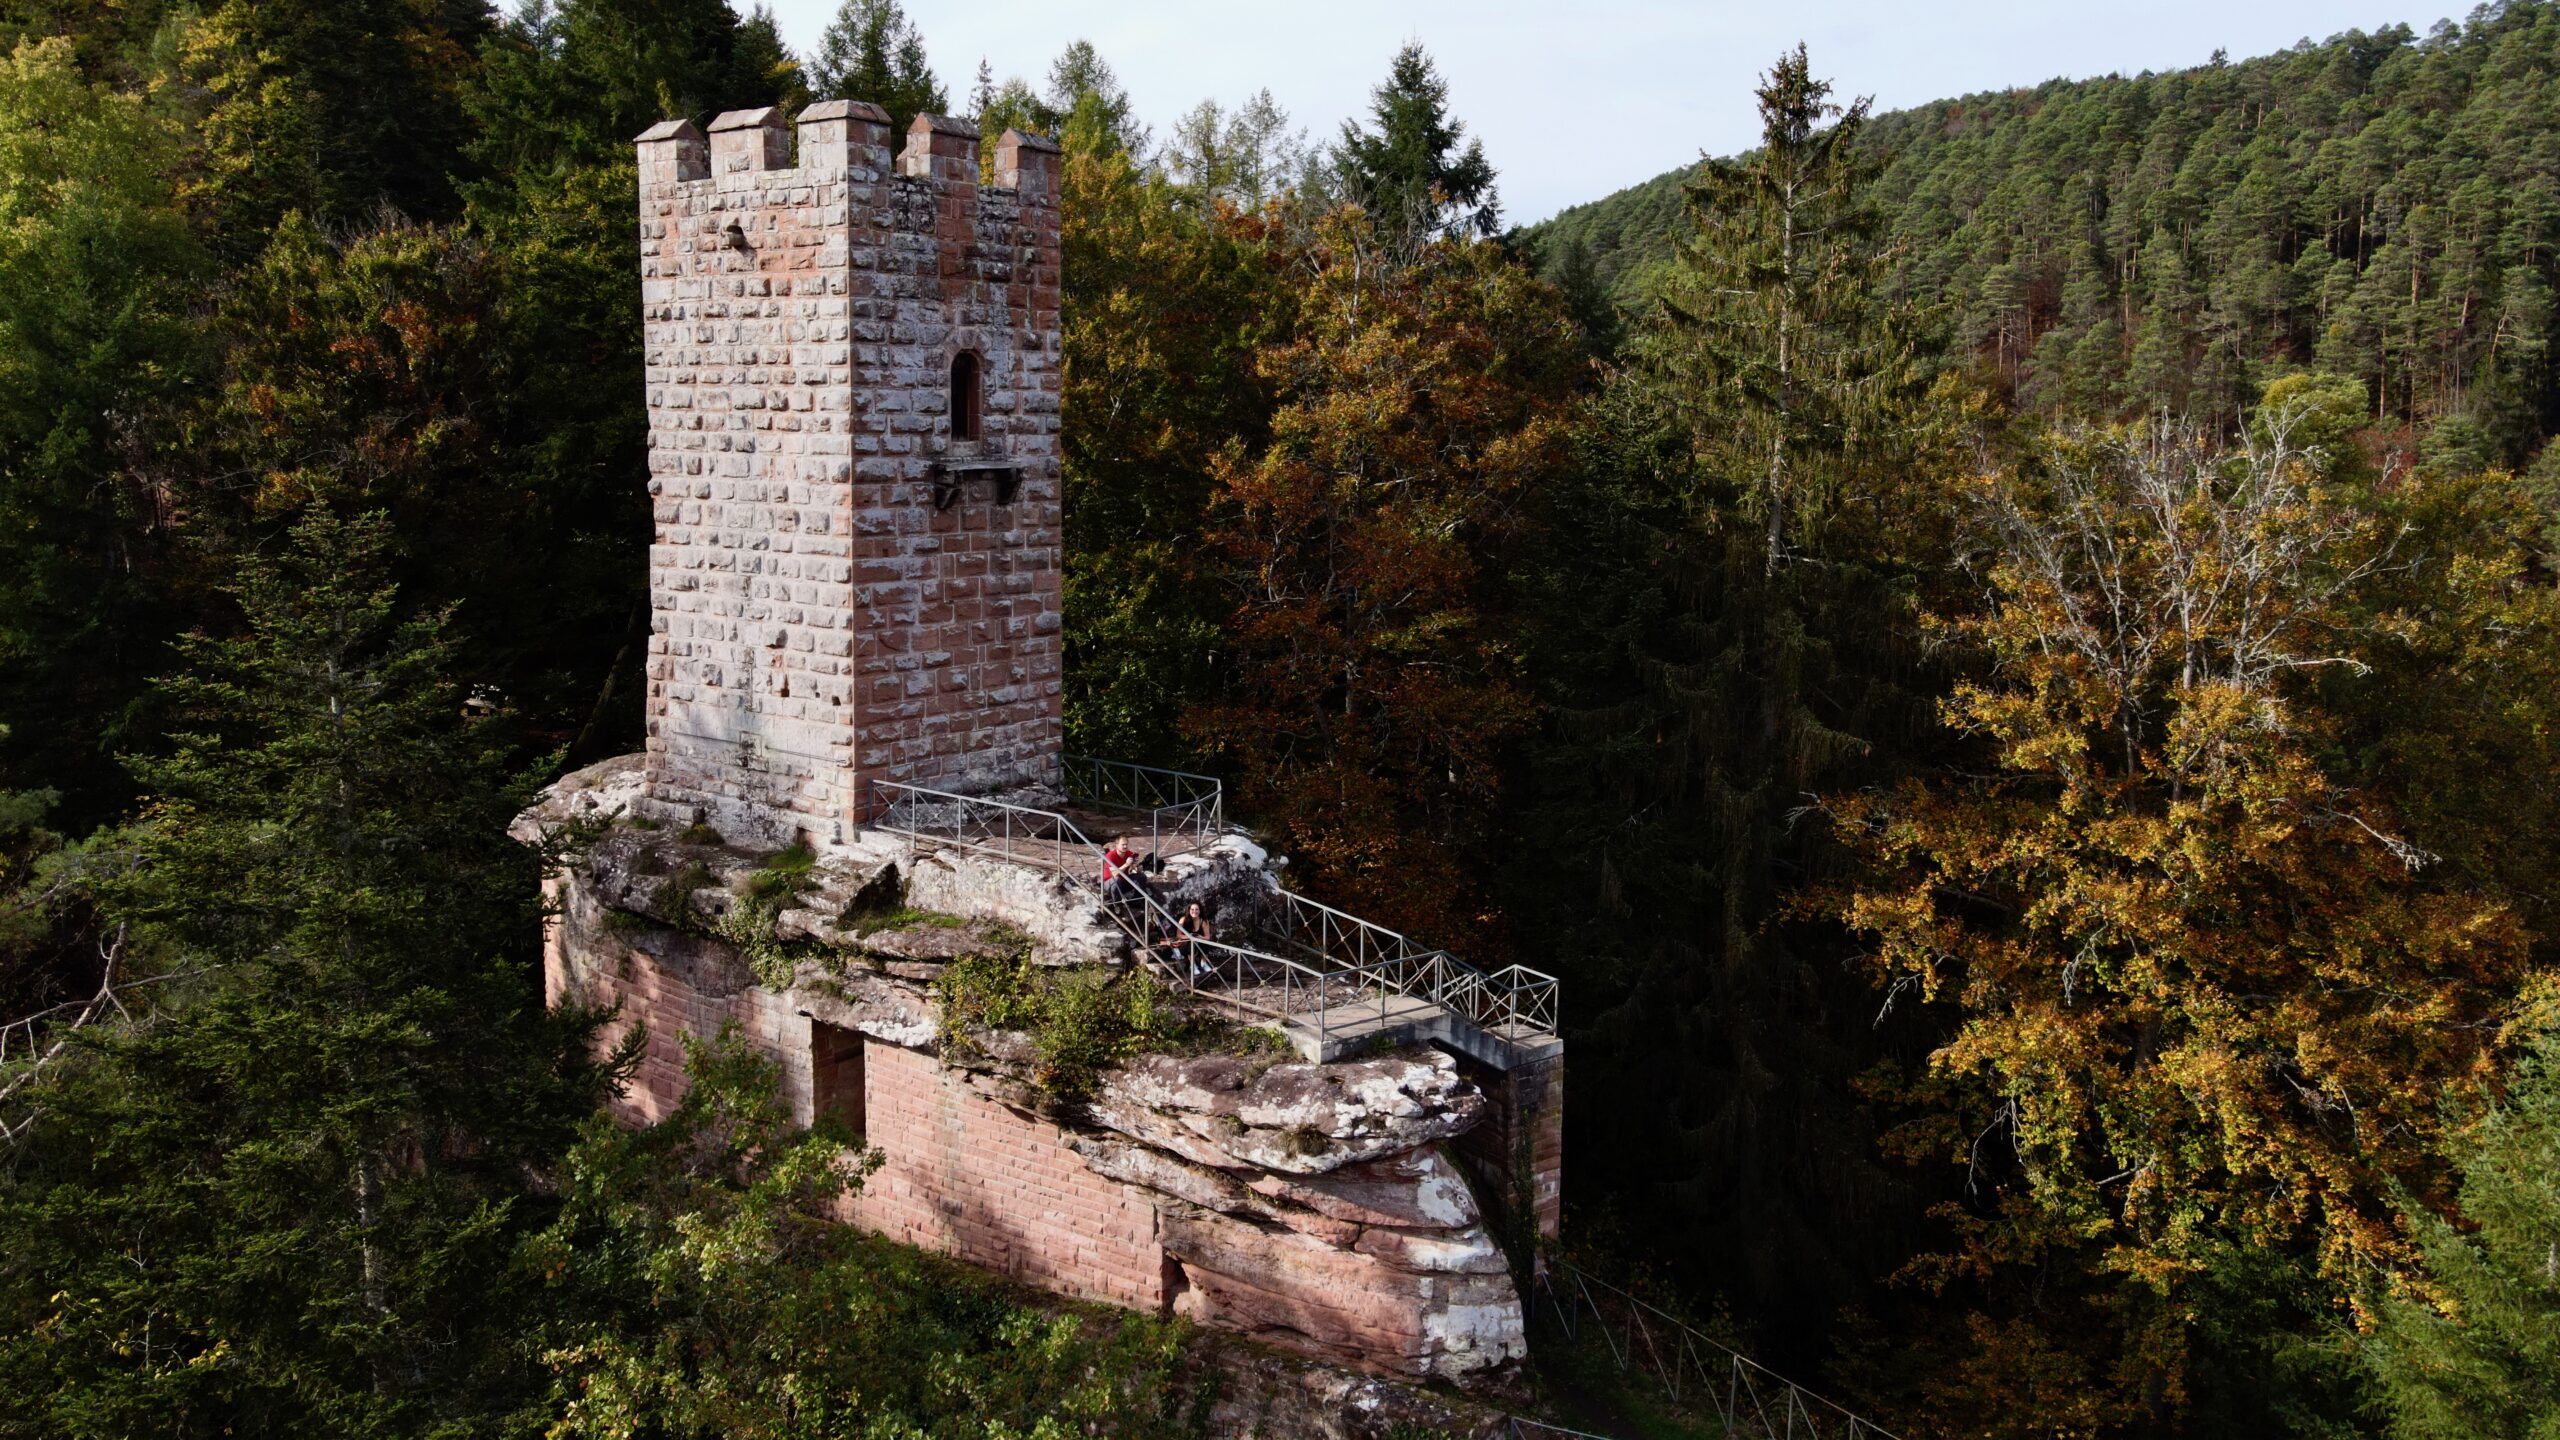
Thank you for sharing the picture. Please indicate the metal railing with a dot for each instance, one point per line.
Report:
(1697, 1372)
(1176, 803)
(1281, 987)
(1348, 981)
(1513, 1002)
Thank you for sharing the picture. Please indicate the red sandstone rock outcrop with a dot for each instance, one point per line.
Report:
(1312, 1206)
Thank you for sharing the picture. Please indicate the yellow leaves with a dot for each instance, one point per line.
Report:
(1418, 402)
(2203, 992)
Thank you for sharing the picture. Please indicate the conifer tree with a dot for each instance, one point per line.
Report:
(2477, 1350)
(982, 91)
(1575, 278)
(872, 51)
(765, 64)
(574, 80)
(1415, 171)
(1773, 343)
(287, 1203)
(1725, 634)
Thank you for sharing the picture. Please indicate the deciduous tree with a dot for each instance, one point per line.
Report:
(1372, 679)
(99, 338)
(2209, 993)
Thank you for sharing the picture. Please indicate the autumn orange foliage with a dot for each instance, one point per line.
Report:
(1370, 679)
(2203, 992)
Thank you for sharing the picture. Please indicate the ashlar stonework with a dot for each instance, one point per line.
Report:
(853, 388)
(854, 372)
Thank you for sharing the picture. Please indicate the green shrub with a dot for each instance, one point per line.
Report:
(673, 899)
(1084, 1020)
(903, 917)
(775, 882)
(1260, 1040)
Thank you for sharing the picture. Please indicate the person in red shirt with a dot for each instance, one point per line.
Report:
(1119, 862)
(1120, 885)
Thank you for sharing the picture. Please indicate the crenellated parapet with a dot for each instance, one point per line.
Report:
(854, 377)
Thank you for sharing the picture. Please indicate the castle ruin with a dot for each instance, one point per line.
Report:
(854, 386)
(854, 379)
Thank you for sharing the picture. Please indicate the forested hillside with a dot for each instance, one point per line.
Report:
(2015, 680)
(2382, 206)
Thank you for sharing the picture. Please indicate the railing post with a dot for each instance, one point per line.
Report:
(1324, 1012)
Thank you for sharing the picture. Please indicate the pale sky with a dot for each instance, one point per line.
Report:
(1572, 100)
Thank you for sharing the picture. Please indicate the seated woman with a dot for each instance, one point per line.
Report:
(1189, 928)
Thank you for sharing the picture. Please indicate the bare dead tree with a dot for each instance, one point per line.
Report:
(2168, 560)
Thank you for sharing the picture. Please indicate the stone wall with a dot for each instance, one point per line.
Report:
(819, 620)
(1519, 1149)
(965, 1175)
(668, 986)
(1313, 1206)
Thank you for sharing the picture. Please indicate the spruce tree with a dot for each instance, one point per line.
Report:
(764, 64)
(872, 51)
(1415, 171)
(2478, 1351)
(1726, 638)
(982, 91)
(1774, 343)
(1576, 278)
(286, 1203)
(574, 80)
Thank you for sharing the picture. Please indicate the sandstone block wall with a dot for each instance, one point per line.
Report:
(668, 986)
(969, 1177)
(1519, 1150)
(1318, 1206)
(1312, 1206)
(819, 621)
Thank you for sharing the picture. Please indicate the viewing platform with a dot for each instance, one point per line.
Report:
(1332, 983)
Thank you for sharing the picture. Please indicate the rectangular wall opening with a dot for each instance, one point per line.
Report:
(835, 1074)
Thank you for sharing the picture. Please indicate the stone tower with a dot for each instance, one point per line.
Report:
(854, 379)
